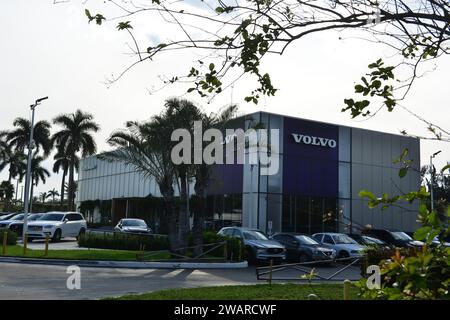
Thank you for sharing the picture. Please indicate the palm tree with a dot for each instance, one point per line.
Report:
(75, 136)
(38, 174)
(202, 173)
(62, 162)
(43, 196)
(19, 137)
(144, 147)
(53, 193)
(14, 160)
(181, 114)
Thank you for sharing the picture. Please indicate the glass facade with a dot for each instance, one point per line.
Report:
(306, 214)
(223, 211)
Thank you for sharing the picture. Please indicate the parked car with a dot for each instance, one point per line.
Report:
(133, 226)
(57, 225)
(368, 241)
(303, 248)
(5, 223)
(394, 238)
(258, 246)
(7, 216)
(17, 225)
(436, 240)
(345, 246)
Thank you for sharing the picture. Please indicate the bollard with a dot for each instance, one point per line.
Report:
(46, 245)
(25, 243)
(347, 285)
(270, 272)
(240, 251)
(5, 238)
(225, 251)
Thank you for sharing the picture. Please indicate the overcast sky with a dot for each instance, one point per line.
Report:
(50, 50)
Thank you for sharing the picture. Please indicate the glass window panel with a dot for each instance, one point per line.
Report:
(344, 180)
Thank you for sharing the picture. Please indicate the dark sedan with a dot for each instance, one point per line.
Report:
(369, 241)
(394, 238)
(303, 248)
(130, 225)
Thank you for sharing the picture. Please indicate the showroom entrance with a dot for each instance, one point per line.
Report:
(309, 215)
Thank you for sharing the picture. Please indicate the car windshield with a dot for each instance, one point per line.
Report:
(6, 217)
(17, 217)
(372, 240)
(52, 217)
(399, 235)
(306, 240)
(254, 235)
(34, 217)
(133, 223)
(343, 239)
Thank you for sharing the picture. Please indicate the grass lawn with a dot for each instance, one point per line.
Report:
(288, 291)
(92, 254)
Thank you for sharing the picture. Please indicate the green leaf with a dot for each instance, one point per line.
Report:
(220, 10)
(445, 168)
(88, 14)
(421, 233)
(367, 194)
(402, 172)
(211, 66)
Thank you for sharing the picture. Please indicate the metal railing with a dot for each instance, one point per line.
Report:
(266, 272)
(182, 256)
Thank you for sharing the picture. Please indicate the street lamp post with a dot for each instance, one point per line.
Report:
(28, 175)
(432, 178)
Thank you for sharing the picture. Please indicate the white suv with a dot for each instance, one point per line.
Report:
(57, 225)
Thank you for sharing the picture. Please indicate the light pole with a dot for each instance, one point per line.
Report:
(432, 178)
(28, 175)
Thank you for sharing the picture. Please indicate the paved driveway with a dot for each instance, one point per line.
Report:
(64, 244)
(26, 281)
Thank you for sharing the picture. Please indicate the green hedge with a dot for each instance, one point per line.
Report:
(234, 247)
(375, 255)
(11, 238)
(121, 241)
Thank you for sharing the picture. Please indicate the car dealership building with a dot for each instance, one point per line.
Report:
(322, 168)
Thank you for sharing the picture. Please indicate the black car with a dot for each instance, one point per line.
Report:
(130, 225)
(303, 248)
(394, 238)
(368, 241)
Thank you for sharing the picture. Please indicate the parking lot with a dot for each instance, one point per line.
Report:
(27, 281)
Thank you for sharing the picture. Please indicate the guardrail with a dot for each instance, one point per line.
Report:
(183, 257)
(266, 272)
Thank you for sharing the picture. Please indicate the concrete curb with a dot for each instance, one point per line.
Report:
(128, 264)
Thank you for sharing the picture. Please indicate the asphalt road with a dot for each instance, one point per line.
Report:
(27, 281)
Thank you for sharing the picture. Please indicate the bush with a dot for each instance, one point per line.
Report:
(11, 238)
(121, 241)
(375, 256)
(234, 247)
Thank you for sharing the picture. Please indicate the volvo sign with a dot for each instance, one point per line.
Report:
(315, 141)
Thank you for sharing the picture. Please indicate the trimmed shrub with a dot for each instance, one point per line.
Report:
(234, 247)
(122, 241)
(11, 238)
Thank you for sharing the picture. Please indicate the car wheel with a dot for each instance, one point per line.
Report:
(251, 256)
(82, 232)
(303, 258)
(57, 235)
(343, 254)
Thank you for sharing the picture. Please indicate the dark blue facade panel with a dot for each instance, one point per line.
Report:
(310, 158)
